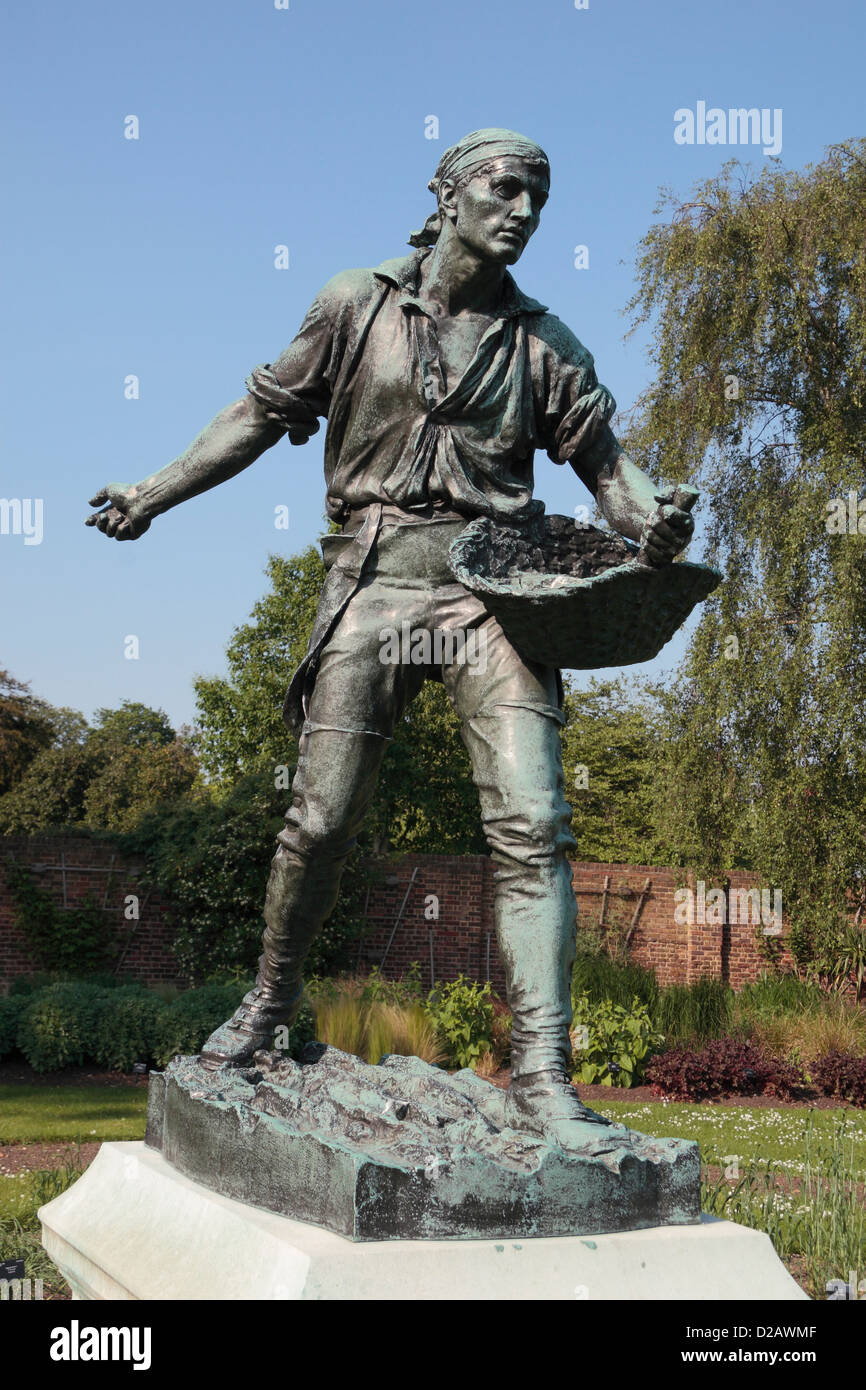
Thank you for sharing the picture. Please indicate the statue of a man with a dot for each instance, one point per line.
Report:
(439, 379)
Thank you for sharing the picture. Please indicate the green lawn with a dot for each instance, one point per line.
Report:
(52, 1114)
(759, 1134)
(20, 1196)
(810, 1205)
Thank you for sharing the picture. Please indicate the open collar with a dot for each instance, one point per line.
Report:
(403, 272)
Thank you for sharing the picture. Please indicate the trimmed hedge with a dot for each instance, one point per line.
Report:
(183, 1025)
(12, 1007)
(72, 1022)
(56, 1028)
(127, 1029)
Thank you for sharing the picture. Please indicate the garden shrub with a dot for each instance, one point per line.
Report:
(694, 1013)
(840, 1074)
(406, 1030)
(600, 978)
(184, 1024)
(70, 1022)
(771, 995)
(463, 1013)
(31, 984)
(126, 1029)
(611, 1042)
(408, 989)
(57, 1027)
(724, 1065)
(12, 1007)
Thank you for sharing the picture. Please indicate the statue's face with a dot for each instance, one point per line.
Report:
(498, 211)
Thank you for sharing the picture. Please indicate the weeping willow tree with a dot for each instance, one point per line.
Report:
(756, 290)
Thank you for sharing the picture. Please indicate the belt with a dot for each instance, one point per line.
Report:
(393, 515)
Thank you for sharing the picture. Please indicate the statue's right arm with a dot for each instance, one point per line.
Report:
(231, 442)
(286, 399)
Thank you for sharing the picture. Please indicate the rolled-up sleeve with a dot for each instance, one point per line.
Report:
(296, 390)
(576, 407)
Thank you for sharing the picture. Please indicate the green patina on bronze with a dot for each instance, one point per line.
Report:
(440, 380)
(402, 1150)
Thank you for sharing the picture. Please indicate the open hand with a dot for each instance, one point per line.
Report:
(123, 517)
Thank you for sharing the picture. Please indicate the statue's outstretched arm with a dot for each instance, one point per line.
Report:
(231, 442)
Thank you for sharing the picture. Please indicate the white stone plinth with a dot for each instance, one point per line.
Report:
(132, 1227)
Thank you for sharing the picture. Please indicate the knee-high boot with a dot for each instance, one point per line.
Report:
(536, 923)
(526, 821)
(301, 894)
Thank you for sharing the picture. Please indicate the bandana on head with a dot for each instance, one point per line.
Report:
(478, 148)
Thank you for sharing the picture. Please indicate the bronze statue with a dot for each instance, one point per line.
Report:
(439, 379)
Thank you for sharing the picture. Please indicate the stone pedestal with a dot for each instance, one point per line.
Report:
(403, 1150)
(133, 1227)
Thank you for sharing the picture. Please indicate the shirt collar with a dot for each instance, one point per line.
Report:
(403, 272)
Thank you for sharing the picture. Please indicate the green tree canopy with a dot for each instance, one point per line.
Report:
(241, 728)
(613, 758)
(425, 800)
(756, 286)
(25, 729)
(104, 777)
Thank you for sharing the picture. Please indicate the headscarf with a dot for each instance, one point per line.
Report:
(480, 147)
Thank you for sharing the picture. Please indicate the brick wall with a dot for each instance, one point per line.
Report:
(459, 937)
(448, 914)
(74, 869)
(462, 935)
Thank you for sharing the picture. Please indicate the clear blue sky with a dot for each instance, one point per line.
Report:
(305, 127)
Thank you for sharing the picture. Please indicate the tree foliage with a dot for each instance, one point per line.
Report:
(425, 800)
(757, 290)
(240, 715)
(103, 777)
(613, 758)
(25, 729)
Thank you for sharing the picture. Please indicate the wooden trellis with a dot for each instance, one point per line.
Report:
(607, 893)
(64, 869)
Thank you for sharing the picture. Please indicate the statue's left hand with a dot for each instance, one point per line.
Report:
(667, 530)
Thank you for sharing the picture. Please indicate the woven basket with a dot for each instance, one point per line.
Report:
(574, 596)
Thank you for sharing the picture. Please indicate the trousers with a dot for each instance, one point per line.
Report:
(509, 710)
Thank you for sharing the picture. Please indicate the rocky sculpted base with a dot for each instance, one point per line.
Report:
(403, 1150)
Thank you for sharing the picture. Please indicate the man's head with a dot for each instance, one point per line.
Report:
(490, 187)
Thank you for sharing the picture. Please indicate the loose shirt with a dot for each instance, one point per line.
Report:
(367, 358)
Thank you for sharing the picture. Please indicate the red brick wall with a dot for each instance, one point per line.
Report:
(679, 953)
(461, 933)
(80, 862)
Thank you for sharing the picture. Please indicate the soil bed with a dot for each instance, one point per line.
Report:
(20, 1074)
(32, 1158)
